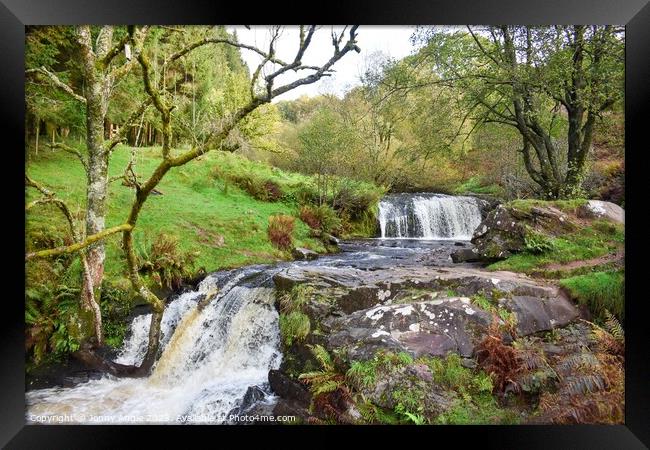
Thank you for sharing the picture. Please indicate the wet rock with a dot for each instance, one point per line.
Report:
(328, 238)
(459, 244)
(252, 404)
(303, 254)
(596, 209)
(499, 235)
(465, 255)
(289, 389)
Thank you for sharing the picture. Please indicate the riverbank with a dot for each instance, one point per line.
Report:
(212, 214)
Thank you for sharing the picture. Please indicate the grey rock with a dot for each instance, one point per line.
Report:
(303, 254)
(289, 389)
(465, 255)
(595, 209)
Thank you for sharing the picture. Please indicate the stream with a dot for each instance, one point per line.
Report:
(214, 352)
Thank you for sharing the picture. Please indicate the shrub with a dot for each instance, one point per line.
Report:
(600, 291)
(165, 261)
(295, 299)
(330, 222)
(279, 231)
(272, 191)
(261, 189)
(308, 216)
(352, 199)
(501, 361)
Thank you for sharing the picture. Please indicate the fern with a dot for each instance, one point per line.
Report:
(613, 326)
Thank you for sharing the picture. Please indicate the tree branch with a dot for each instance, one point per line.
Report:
(74, 151)
(79, 245)
(57, 82)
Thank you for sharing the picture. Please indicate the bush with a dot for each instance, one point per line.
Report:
(600, 291)
(261, 189)
(164, 260)
(280, 230)
(308, 216)
(352, 199)
(330, 222)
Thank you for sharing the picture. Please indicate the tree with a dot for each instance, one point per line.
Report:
(95, 57)
(534, 79)
(262, 89)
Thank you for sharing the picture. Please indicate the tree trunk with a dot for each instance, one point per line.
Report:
(97, 90)
(38, 132)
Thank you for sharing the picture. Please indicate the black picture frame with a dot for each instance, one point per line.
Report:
(635, 14)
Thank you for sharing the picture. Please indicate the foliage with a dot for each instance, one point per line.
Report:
(165, 261)
(602, 292)
(499, 360)
(51, 311)
(331, 395)
(475, 403)
(296, 298)
(537, 243)
(294, 327)
(279, 231)
(593, 384)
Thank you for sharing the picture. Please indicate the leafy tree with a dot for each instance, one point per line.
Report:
(534, 79)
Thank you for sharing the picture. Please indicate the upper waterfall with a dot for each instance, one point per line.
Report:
(429, 216)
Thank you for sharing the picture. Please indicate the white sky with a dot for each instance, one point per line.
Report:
(390, 40)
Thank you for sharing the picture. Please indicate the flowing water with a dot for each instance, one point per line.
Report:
(210, 357)
(429, 216)
(223, 338)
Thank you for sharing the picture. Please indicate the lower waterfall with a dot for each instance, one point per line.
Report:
(210, 356)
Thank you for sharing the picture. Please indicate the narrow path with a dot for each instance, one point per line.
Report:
(605, 259)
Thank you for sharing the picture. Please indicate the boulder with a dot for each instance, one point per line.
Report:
(504, 230)
(416, 378)
(465, 255)
(536, 314)
(499, 236)
(288, 388)
(303, 254)
(596, 209)
(425, 328)
(329, 239)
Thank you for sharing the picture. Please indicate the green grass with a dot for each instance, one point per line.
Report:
(568, 206)
(600, 291)
(586, 243)
(475, 185)
(225, 225)
(294, 327)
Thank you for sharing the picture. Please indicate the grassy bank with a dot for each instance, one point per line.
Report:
(213, 213)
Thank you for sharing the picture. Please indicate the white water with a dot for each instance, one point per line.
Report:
(423, 216)
(210, 358)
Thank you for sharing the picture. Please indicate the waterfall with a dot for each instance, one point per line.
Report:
(210, 356)
(429, 216)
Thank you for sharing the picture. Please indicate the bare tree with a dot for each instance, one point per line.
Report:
(263, 89)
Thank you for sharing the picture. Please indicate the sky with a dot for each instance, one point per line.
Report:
(389, 40)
